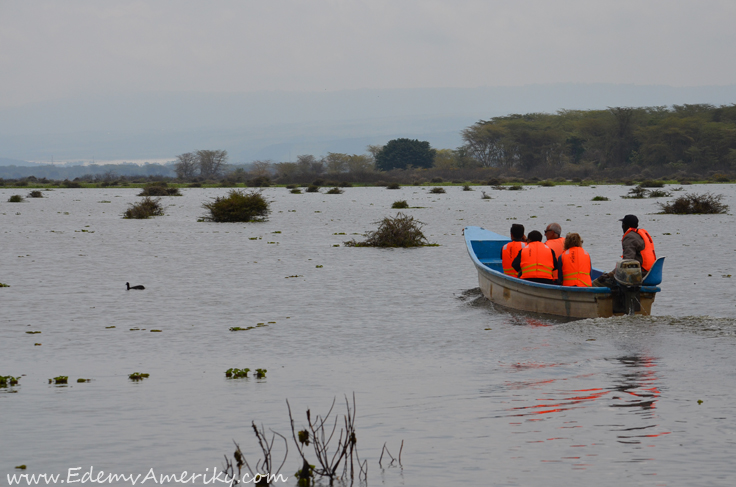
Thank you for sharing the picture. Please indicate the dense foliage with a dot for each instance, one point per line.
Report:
(238, 207)
(690, 204)
(146, 208)
(693, 138)
(402, 153)
(399, 231)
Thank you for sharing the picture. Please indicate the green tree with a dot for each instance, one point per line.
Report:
(402, 153)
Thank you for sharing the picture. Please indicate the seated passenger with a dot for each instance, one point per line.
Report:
(536, 262)
(574, 263)
(554, 241)
(511, 249)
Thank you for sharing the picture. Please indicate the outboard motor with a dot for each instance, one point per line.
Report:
(628, 277)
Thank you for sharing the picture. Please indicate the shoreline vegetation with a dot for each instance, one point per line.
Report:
(681, 144)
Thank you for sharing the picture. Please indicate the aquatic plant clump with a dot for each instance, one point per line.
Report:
(437, 190)
(695, 204)
(145, 208)
(8, 380)
(600, 198)
(400, 231)
(335, 190)
(237, 373)
(658, 193)
(4, 285)
(137, 376)
(35, 194)
(393, 186)
(16, 198)
(62, 379)
(238, 206)
(159, 189)
(400, 204)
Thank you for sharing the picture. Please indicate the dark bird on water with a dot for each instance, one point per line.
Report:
(133, 287)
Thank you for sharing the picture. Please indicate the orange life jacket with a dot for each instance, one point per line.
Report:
(576, 267)
(558, 245)
(508, 254)
(536, 261)
(648, 255)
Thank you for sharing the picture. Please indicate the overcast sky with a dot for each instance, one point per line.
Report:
(52, 49)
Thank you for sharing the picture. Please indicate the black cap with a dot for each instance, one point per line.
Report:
(630, 221)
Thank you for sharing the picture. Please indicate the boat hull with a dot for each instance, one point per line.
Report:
(484, 248)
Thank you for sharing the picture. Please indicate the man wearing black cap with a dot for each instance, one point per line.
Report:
(636, 244)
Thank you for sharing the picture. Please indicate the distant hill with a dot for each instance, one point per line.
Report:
(15, 162)
(282, 125)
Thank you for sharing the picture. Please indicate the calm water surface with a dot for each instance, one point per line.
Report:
(480, 396)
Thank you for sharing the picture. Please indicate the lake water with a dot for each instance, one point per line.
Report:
(479, 396)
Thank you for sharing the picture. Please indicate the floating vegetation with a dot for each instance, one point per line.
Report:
(600, 198)
(485, 196)
(339, 233)
(16, 198)
(437, 190)
(295, 275)
(319, 266)
(335, 190)
(35, 194)
(259, 325)
(237, 373)
(261, 373)
(113, 326)
(692, 204)
(8, 380)
(20, 467)
(36, 344)
(159, 188)
(651, 184)
(62, 379)
(137, 376)
(291, 186)
(145, 208)
(658, 193)
(296, 191)
(399, 231)
(393, 186)
(637, 192)
(80, 380)
(312, 188)
(467, 188)
(155, 331)
(400, 204)
(546, 183)
(238, 207)
(32, 332)
(4, 285)
(515, 187)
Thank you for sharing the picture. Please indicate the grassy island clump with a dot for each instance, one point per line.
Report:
(600, 198)
(695, 204)
(393, 186)
(145, 208)
(400, 204)
(399, 231)
(237, 373)
(35, 194)
(62, 379)
(312, 188)
(8, 380)
(4, 285)
(437, 190)
(16, 198)
(159, 188)
(238, 207)
(335, 190)
(136, 376)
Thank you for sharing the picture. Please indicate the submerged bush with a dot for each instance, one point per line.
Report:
(312, 188)
(691, 204)
(600, 198)
(259, 182)
(400, 204)
(651, 184)
(35, 194)
(399, 231)
(637, 193)
(393, 186)
(159, 188)
(16, 198)
(515, 187)
(437, 190)
(335, 190)
(238, 207)
(295, 191)
(658, 193)
(467, 188)
(145, 208)
(8, 380)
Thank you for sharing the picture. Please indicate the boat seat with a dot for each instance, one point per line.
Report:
(654, 276)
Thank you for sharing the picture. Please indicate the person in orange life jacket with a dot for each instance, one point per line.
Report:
(636, 244)
(574, 263)
(511, 249)
(553, 232)
(536, 262)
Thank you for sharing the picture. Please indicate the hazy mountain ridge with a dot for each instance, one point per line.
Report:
(280, 125)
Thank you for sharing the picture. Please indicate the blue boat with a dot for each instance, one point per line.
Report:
(485, 247)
